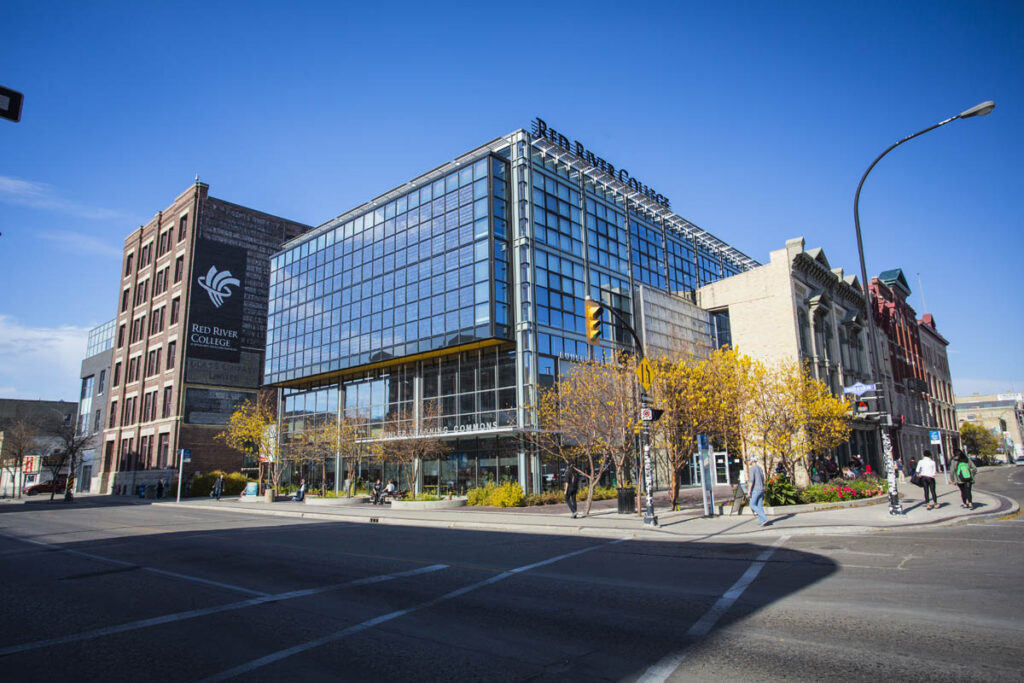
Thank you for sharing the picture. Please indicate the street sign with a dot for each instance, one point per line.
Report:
(645, 374)
(646, 414)
(934, 436)
(186, 455)
(10, 104)
(859, 388)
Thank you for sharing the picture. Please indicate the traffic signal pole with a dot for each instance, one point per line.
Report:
(592, 314)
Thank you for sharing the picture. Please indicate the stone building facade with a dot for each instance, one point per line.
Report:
(797, 307)
(190, 335)
(1001, 414)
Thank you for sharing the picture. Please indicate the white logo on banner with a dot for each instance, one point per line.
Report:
(216, 284)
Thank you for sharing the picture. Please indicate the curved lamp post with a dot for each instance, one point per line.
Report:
(977, 110)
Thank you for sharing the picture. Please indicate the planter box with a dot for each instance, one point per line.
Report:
(428, 504)
(336, 502)
(808, 507)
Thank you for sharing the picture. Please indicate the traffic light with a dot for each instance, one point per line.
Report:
(592, 315)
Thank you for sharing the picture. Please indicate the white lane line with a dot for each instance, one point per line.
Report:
(192, 614)
(122, 563)
(376, 621)
(659, 672)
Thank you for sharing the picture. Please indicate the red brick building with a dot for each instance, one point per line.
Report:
(906, 386)
(190, 336)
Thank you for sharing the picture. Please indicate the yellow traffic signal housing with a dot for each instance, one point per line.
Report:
(592, 314)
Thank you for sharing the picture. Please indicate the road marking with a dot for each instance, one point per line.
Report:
(132, 565)
(376, 621)
(660, 671)
(192, 614)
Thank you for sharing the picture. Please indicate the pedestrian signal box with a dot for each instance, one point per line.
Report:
(592, 320)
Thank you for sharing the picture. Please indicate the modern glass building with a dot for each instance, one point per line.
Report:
(459, 293)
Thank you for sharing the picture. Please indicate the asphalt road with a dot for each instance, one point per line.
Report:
(103, 591)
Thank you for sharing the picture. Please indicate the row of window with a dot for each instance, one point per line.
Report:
(163, 245)
(138, 330)
(149, 405)
(393, 278)
(130, 459)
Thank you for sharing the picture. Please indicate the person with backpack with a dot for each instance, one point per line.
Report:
(572, 485)
(964, 472)
(926, 471)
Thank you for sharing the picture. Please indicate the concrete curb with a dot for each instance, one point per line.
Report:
(1006, 508)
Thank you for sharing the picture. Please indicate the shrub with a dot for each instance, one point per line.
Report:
(234, 483)
(546, 498)
(779, 490)
(508, 495)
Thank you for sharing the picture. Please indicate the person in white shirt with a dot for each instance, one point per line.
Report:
(926, 470)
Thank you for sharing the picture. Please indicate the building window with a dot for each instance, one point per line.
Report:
(117, 374)
(182, 226)
(113, 415)
(141, 292)
(163, 450)
(175, 309)
(102, 382)
(98, 422)
(125, 298)
(179, 268)
(166, 409)
(147, 407)
(87, 383)
(172, 347)
(128, 262)
(153, 363)
(126, 453)
(120, 336)
(161, 282)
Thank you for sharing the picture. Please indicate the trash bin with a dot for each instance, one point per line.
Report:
(142, 490)
(627, 501)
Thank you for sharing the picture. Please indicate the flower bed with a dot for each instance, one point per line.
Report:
(840, 490)
(779, 491)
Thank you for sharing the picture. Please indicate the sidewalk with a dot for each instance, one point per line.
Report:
(687, 523)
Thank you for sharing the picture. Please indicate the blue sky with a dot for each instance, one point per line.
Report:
(756, 119)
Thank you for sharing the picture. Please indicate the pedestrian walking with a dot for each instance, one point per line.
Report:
(898, 463)
(964, 472)
(756, 489)
(572, 485)
(160, 487)
(926, 471)
(218, 487)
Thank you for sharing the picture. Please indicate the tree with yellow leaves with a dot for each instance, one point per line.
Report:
(588, 420)
(252, 430)
(699, 396)
(791, 416)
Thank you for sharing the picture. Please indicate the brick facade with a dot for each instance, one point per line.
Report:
(153, 371)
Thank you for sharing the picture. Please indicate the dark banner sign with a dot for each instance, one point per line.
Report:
(213, 406)
(215, 312)
(542, 130)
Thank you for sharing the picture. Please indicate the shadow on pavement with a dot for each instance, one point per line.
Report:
(590, 608)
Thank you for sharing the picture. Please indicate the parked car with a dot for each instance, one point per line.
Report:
(52, 486)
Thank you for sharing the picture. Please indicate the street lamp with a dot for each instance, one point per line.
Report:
(977, 110)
